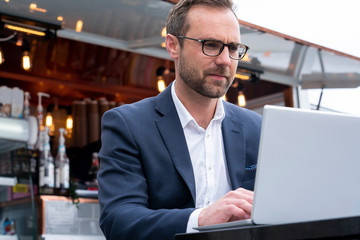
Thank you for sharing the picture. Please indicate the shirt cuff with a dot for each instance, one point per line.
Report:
(193, 221)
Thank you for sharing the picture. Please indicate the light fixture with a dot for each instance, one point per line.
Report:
(69, 125)
(49, 122)
(2, 58)
(69, 122)
(241, 99)
(160, 71)
(246, 58)
(19, 41)
(29, 26)
(161, 84)
(163, 32)
(34, 7)
(25, 30)
(26, 61)
(79, 26)
(242, 76)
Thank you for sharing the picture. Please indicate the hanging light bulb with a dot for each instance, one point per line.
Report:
(19, 41)
(241, 99)
(163, 32)
(26, 62)
(160, 84)
(49, 122)
(79, 26)
(2, 58)
(69, 125)
(69, 122)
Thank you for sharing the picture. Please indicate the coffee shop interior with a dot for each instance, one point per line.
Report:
(63, 64)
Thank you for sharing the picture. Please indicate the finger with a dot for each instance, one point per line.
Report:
(244, 191)
(239, 194)
(237, 207)
(239, 213)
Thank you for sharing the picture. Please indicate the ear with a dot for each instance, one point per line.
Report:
(172, 46)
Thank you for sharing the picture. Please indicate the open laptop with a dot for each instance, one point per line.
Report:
(308, 168)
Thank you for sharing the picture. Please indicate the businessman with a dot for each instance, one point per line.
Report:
(184, 158)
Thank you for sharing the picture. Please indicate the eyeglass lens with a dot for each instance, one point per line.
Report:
(214, 48)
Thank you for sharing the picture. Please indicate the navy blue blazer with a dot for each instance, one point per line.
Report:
(146, 180)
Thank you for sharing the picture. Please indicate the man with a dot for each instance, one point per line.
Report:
(184, 158)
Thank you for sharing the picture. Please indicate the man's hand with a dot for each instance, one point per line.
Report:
(235, 205)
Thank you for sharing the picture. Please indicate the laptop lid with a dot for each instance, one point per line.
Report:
(308, 166)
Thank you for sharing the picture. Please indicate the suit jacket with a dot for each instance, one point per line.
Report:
(146, 180)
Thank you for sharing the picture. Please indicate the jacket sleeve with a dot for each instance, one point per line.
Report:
(123, 189)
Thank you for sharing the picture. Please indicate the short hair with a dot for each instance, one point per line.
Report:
(176, 23)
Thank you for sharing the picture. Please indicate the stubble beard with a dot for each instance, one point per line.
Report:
(212, 88)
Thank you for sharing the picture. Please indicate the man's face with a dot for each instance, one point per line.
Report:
(209, 76)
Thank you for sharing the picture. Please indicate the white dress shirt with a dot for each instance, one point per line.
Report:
(206, 148)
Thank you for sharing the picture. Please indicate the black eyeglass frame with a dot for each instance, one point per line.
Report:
(203, 41)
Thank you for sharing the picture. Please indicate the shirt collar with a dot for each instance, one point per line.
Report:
(185, 116)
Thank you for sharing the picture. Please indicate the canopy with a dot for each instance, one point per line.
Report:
(136, 26)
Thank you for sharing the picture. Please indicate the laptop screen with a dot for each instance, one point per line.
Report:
(308, 166)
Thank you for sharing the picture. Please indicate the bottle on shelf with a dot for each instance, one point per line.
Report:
(40, 118)
(26, 105)
(46, 167)
(62, 167)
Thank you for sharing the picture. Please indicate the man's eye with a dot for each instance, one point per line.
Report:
(233, 48)
(212, 44)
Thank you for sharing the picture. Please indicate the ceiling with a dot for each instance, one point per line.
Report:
(136, 25)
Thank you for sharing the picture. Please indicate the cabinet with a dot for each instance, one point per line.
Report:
(55, 218)
(14, 134)
(41, 216)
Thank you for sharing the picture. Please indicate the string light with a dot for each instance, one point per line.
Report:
(69, 125)
(26, 62)
(241, 99)
(49, 122)
(2, 58)
(161, 85)
(79, 25)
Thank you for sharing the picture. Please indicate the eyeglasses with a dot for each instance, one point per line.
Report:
(213, 48)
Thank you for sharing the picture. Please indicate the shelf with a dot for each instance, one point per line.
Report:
(71, 237)
(8, 181)
(9, 237)
(7, 146)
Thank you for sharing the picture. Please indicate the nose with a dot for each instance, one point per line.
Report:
(224, 57)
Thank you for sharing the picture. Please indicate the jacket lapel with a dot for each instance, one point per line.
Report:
(173, 136)
(235, 148)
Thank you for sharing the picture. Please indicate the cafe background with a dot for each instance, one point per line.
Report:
(91, 56)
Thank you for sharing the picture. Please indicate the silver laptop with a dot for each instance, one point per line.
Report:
(308, 168)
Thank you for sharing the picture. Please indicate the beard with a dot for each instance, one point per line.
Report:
(206, 87)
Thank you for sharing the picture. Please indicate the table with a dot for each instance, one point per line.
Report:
(343, 228)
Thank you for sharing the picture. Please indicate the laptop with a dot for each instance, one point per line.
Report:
(308, 168)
